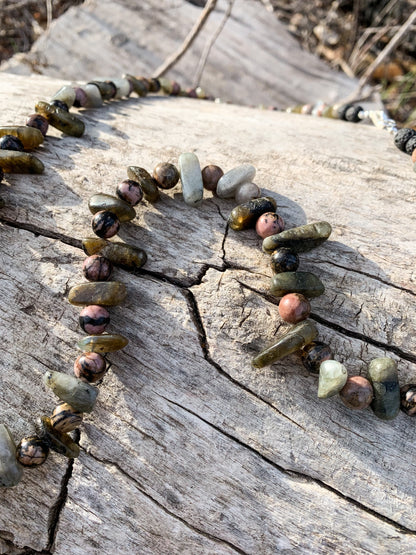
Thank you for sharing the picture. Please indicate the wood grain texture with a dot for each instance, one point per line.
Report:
(189, 449)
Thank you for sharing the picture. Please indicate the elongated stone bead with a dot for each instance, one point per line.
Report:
(382, 373)
(296, 338)
(299, 239)
(65, 122)
(245, 216)
(12, 161)
(305, 283)
(191, 178)
(107, 89)
(100, 201)
(120, 254)
(65, 418)
(102, 343)
(332, 377)
(104, 293)
(94, 98)
(230, 181)
(30, 136)
(146, 182)
(10, 471)
(140, 86)
(65, 94)
(59, 442)
(78, 394)
(122, 87)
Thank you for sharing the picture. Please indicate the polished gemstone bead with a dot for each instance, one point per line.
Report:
(65, 418)
(294, 308)
(38, 122)
(94, 319)
(293, 340)
(332, 378)
(65, 122)
(102, 202)
(107, 89)
(166, 175)
(9, 142)
(140, 85)
(284, 260)
(408, 399)
(411, 145)
(210, 176)
(130, 192)
(230, 181)
(105, 224)
(299, 239)
(246, 192)
(357, 393)
(146, 182)
(32, 451)
(105, 293)
(402, 136)
(245, 215)
(59, 104)
(59, 442)
(166, 85)
(122, 87)
(20, 162)
(120, 254)
(78, 394)
(268, 224)
(382, 373)
(10, 471)
(97, 268)
(81, 98)
(352, 114)
(154, 84)
(94, 98)
(191, 178)
(313, 354)
(305, 283)
(66, 94)
(90, 367)
(102, 343)
(29, 136)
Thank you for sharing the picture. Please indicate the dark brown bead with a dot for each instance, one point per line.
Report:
(90, 367)
(166, 175)
(210, 176)
(294, 308)
(313, 354)
(60, 104)
(38, 122)
(32, 451)
(408, 399)
(10, 142)
(105, 224)
(94, 319)
(64, 418)
(154, 85)
(357, 393)
(284, 260)
(97, 268)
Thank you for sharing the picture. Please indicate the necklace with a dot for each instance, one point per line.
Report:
(203, 293)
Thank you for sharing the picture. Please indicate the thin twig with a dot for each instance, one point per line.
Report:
(48, 13)
(176, 56)
(210, 44)
(363, 51)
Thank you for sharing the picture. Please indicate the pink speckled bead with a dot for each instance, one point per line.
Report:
(268, 224)
(130, 191)
(294, 308)
(93, 319)
(81, 98)
(90, 367)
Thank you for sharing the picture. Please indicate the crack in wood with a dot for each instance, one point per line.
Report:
(43, 232)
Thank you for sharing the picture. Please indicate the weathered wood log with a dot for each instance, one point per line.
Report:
(190, 450)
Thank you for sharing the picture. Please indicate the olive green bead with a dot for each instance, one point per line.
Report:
(245, 215)
(30, 137)
(305, 283)
(382, 373)
(12, 161)
(299, 239)
(296, 338)
(106, 88)
(64, 121)
(101, 201)
(120, 254)
(104, 293)
(57, 441)
(140, 86)
(10, 471)
(79, 395)
(146, 182)
(105, 343)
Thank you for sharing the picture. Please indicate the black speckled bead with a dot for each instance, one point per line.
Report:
(411, 145)
(408, 399)
(64, 418)
(129, 191)
(60, 104)
(313, 354)
(105, 224)
(38, 122)
(402, 136)
(32, 451)
(9, 142)
(284, 260)
(352, 112)
(90, 367)
(166, 175)
(97, 268)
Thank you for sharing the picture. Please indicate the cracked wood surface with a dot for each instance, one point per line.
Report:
(189, 450)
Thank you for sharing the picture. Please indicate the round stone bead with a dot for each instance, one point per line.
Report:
(60, 104)
(284, 260)
(294, 308)
(402, 136)
(97, 268)
(411, 145)
(343, 110)
(268, 224)
(166, 175)
(38, 122)
(247, 191)
(352, 112)
(90, 367)
(81, 98)
(357, 393)
(32, 451)
(93, 319)
(408, 399)
(64, 418)
(10, 142)
(313, 354)
(176, 88)
(210, 176)
(105, 224)
(130, 191)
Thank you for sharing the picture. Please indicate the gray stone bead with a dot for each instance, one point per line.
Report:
(191, 178)
(230, 181)
(332, 377)
(10, 470)
(299, 239)
(382, 373)
(305, 283)
(79, 395)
